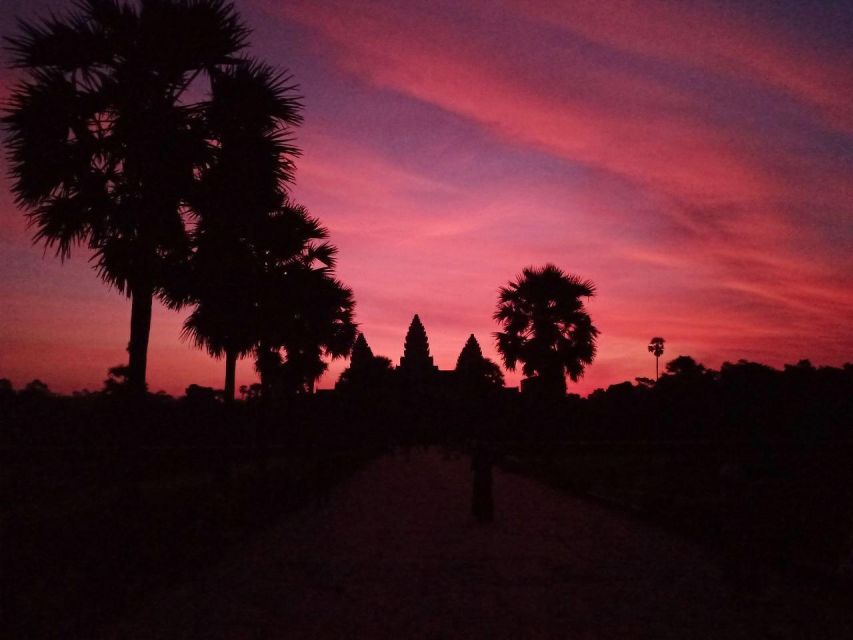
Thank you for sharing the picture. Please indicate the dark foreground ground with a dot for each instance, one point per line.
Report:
(395, 554)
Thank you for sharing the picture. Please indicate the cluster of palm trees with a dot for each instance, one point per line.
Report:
(146, 133)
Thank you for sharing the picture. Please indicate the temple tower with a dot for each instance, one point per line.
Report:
(416, 361)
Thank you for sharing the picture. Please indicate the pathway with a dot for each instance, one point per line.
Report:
(396, 555)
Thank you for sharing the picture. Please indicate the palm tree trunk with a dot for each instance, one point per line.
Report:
(657, 375)
(140, 329)
(230, 374)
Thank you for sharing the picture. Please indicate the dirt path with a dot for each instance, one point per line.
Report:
(396, 555)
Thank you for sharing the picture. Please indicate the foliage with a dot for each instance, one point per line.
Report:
(656, 347)
(546, 326)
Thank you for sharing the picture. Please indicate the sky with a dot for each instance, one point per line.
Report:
(693, 159)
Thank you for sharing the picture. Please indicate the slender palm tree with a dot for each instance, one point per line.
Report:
(656, 349)
(546, 326)
(105, 138)
(250, 115)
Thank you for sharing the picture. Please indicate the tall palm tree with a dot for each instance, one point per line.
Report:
(546, 326)
(250, 115)
(656, 349)
(104, 138)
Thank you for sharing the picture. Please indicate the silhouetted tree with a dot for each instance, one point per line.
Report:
(116, 382)
(322, 326)
(685, 366)
(656, 349)
(105, 138)
(251, 392)
(474, 371)
(304, 313)
(35, 389)
(201, 396)
(546, 326)
(250, 114)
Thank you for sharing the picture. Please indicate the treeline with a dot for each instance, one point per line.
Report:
(742, 401)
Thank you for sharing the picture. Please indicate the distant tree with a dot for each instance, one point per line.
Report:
(117, 380)
(476, 372)
(685, 366)
(197, 394)
(656, 349)
(546, 326)
(803, 369)
(105, 136)
(250, 393)
(35, 389)
(745, 374)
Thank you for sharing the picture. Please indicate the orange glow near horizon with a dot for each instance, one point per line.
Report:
(693, 160)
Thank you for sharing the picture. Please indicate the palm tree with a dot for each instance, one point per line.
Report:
(104, 138)
(315, 321)
(303, 312)
(546, 326)
(250, 114)
(656, 348)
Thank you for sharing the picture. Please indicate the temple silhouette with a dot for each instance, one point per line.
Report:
(417, 372)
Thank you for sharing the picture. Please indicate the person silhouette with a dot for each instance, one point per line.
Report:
(482, 502)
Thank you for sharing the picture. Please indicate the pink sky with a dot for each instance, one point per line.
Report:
(692, 159)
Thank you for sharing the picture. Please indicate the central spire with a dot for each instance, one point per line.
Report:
(416, 358)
